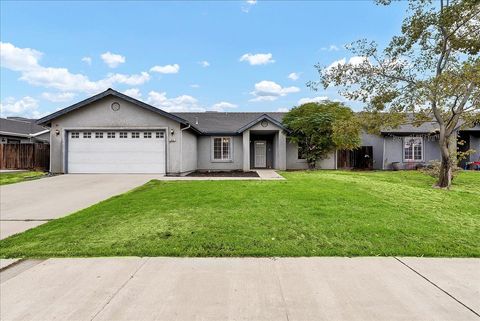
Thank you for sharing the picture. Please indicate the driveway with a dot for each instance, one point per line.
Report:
(29, 204)
(241, 289)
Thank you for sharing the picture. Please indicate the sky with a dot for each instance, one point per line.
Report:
(180, 56)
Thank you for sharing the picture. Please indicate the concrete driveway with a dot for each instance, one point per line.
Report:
(241, 289)
(29, 204)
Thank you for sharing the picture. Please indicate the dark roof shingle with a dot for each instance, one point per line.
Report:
(223, 122)
(17, 126)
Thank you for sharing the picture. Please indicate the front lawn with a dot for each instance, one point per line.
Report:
(16, 177)
(322, 213)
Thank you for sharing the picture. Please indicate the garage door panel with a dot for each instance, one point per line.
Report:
(116, 155)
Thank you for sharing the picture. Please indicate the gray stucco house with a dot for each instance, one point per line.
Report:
(114, 133)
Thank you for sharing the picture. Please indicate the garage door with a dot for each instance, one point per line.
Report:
(116, 152)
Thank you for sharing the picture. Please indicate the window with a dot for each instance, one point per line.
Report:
(123, 135)
(98, 135)
(87, 135)
(159, 134)
(413, 148)
(302, 150)
(75, 135)
(135, 135)
(147, 135)
(222, 148)
(110, 135)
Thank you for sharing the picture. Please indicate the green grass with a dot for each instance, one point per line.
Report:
(16, 177)
(322, 213)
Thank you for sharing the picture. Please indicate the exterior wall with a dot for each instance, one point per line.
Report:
(205, 159)
(377, 145)
(189, 151)
(99, 115)
(293, 162)
(394, 151)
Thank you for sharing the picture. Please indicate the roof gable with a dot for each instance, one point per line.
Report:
(110, 92)
(259, 119)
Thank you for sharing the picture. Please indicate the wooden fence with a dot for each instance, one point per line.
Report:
(25, 156)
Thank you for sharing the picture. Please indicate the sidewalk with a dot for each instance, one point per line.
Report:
(241, 289)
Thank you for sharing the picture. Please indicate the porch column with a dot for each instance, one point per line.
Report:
(281, 151)
(246, 150)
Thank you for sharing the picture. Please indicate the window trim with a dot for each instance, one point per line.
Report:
(212, 152)
(413, 160)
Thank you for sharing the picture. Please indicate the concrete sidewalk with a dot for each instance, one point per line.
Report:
(241, 289)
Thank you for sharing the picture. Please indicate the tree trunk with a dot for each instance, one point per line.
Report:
(445, 175)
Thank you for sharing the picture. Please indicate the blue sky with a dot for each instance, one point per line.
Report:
(179, 56)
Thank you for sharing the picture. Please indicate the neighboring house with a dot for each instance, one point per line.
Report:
(114, 133)
(18, 130)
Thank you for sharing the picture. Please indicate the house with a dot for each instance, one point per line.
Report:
(114, 133)
(19, 130)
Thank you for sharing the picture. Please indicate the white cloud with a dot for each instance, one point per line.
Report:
(330, 48)
(58, 97)
(337, 63)
(283, 110)
(87, 60)
(26, 107)
(317, 99)
(134, 93)
(167, 69)
(355, 61)
(132, 80)
(268, 91)
(221, 106)
(18, 59)
(180, 103)
(195, 85)
(204, 63)
(258, 59)
(112, 60)
(26, 61)
(294, 76)
(248, 5)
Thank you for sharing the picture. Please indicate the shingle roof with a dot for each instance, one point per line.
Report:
(23, 127)
(222, 122)
(425, 128)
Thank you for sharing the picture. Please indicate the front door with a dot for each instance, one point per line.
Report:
(260, 154)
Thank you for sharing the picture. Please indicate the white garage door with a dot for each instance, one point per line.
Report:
(116, 152)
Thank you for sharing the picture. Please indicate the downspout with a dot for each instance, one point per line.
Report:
(181, 147)
(383, 154)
